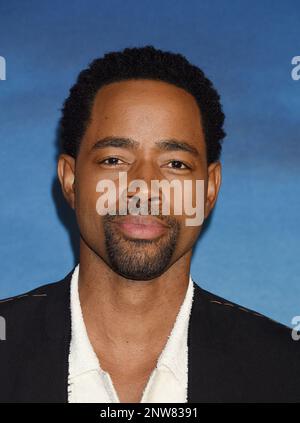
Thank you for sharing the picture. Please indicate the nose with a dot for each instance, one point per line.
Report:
(140, 182)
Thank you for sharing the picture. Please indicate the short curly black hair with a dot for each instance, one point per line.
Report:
(141, 63)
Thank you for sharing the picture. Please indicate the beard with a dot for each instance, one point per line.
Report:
(140, 259)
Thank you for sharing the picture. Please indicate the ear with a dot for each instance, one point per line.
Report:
(66, 175)
(213, 186)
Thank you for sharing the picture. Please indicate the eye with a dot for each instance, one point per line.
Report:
(177, 164)
(112, 161)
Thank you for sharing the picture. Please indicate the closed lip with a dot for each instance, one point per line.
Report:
(141, 220)
(141, 227)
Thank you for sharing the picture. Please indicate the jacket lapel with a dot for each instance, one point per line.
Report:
(204, 356)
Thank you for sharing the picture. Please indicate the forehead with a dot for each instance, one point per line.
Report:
(144, 109)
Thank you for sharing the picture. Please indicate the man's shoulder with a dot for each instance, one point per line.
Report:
(240, 355)
(28, 300)
(241, 326)
(35, 334)
(231, 309)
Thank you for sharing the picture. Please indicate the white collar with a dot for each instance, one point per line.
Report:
(83, 358)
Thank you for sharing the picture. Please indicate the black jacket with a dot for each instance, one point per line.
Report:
(234, 354)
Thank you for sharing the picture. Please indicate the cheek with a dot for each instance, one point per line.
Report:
(187, 240)
(86, 197)
(85, 193)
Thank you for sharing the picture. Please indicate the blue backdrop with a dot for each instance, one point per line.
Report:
(250, 250)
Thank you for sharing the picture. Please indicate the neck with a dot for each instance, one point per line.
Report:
(120, 312)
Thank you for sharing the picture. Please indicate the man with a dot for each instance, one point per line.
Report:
(128, 324)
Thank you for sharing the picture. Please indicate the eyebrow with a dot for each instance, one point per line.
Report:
(176, 145)
(165, 145)
(119, 142)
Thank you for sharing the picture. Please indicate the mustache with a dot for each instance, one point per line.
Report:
(167, 220)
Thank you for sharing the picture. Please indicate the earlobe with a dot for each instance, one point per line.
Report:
(213, 186)
(66, 175)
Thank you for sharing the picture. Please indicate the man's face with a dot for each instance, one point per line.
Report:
(151, 130)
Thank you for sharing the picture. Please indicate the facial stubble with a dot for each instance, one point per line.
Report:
(140, 259)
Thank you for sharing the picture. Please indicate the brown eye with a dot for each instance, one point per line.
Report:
(177, 164)
(111, 161)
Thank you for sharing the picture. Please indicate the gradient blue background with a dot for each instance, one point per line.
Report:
(250, 250)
